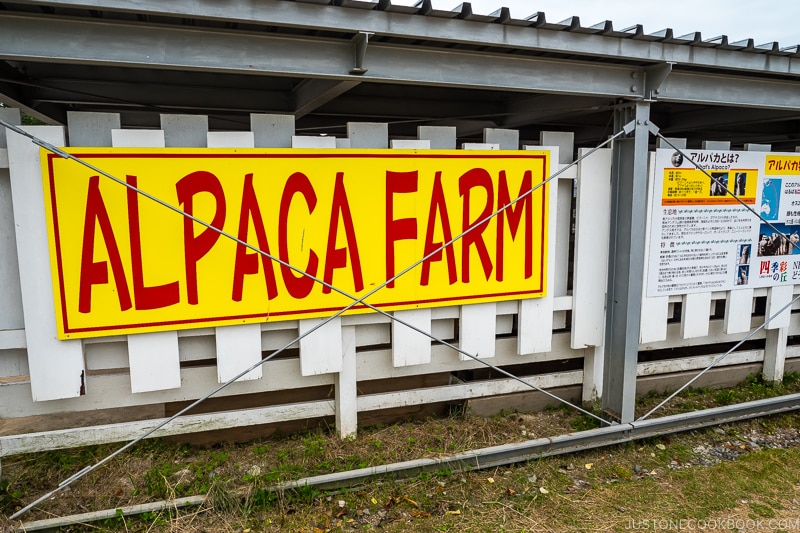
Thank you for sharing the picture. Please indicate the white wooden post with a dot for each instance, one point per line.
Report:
(11, 317)
(346, 401)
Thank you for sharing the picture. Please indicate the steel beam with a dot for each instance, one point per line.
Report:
(439, 29)
(60, 40)
(311, 94)
(626, 261)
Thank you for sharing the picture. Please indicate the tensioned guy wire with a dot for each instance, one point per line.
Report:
(718, 359)
(55, 150)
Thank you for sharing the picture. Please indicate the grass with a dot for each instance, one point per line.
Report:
(607, 488)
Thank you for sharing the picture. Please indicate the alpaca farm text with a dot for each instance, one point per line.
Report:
(353, 219)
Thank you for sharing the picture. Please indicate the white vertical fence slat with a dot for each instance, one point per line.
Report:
(565, 184)
(239, 346)
(91, 129)
(536, 318)
(440, 137)
(477, 323)
(477, 330)
(10, 292)
(777, 298)
(188, 131)
(410, 347)
(656, 310)
(738, 311)
(696, 315)
(506, 139)
(56, 367)
(321, 351)
(154, 357)
(592, 222)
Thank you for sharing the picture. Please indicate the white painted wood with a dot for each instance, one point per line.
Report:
(535, 326)
(441, 137)
(321, 350)
(138, 138)
(506, 139)
(562, 222)
(738, 311)
(713, 145)
(231, 139)
(11, 339)
(536, 318)
(86, 436)
(477, 330)
(11, 316)
(201, 348)
(593, 364)
(368, 134)
(185, 130)
(106, 356)
(345, 402)
(372, 334)
(56, 367)
(592, 222)
(668, 366)
(13, 364)
(238, 348)
(480, 146)
(305, 141)
(696, 315)
(342, 143)
(3, 157)
(272, 131)
(154, 361)
(154, 358)
(480, 389)
(775, 355)
(778, 298)
(108, 390)
(87, 128)
(410, 347)
(410, 144)
(655, 310)
(505, 323)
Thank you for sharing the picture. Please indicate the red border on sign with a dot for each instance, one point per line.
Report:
(305, 155)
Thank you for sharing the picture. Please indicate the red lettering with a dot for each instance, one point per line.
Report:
(298, 286)
(195, 247)
(157, 296)
(402, 228)
(96, 273)
(336, 257)
(514, 214)
(247, 263)
(475, 178)
(438, 207)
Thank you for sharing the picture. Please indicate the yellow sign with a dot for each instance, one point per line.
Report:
(782, 165)
(352, 219)
(682, 186)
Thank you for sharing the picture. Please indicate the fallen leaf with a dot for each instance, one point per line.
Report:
(374, 501)
(490, 480)
(544, 490)
(511, 491)
(457, 511)
(409, 500)
(661, 446)
(588, 466)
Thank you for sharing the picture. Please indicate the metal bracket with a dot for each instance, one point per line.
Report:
(359, 51)
(654, 76)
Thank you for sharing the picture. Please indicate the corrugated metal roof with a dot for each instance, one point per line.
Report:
(572, 24)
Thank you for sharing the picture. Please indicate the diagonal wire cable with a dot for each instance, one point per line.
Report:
(719, 359)
(57, 151)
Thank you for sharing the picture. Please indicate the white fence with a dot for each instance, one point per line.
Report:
(42, 378)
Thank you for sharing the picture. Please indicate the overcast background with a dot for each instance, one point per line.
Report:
(776, 20)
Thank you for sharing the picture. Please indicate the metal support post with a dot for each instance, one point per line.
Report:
(626, 261)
